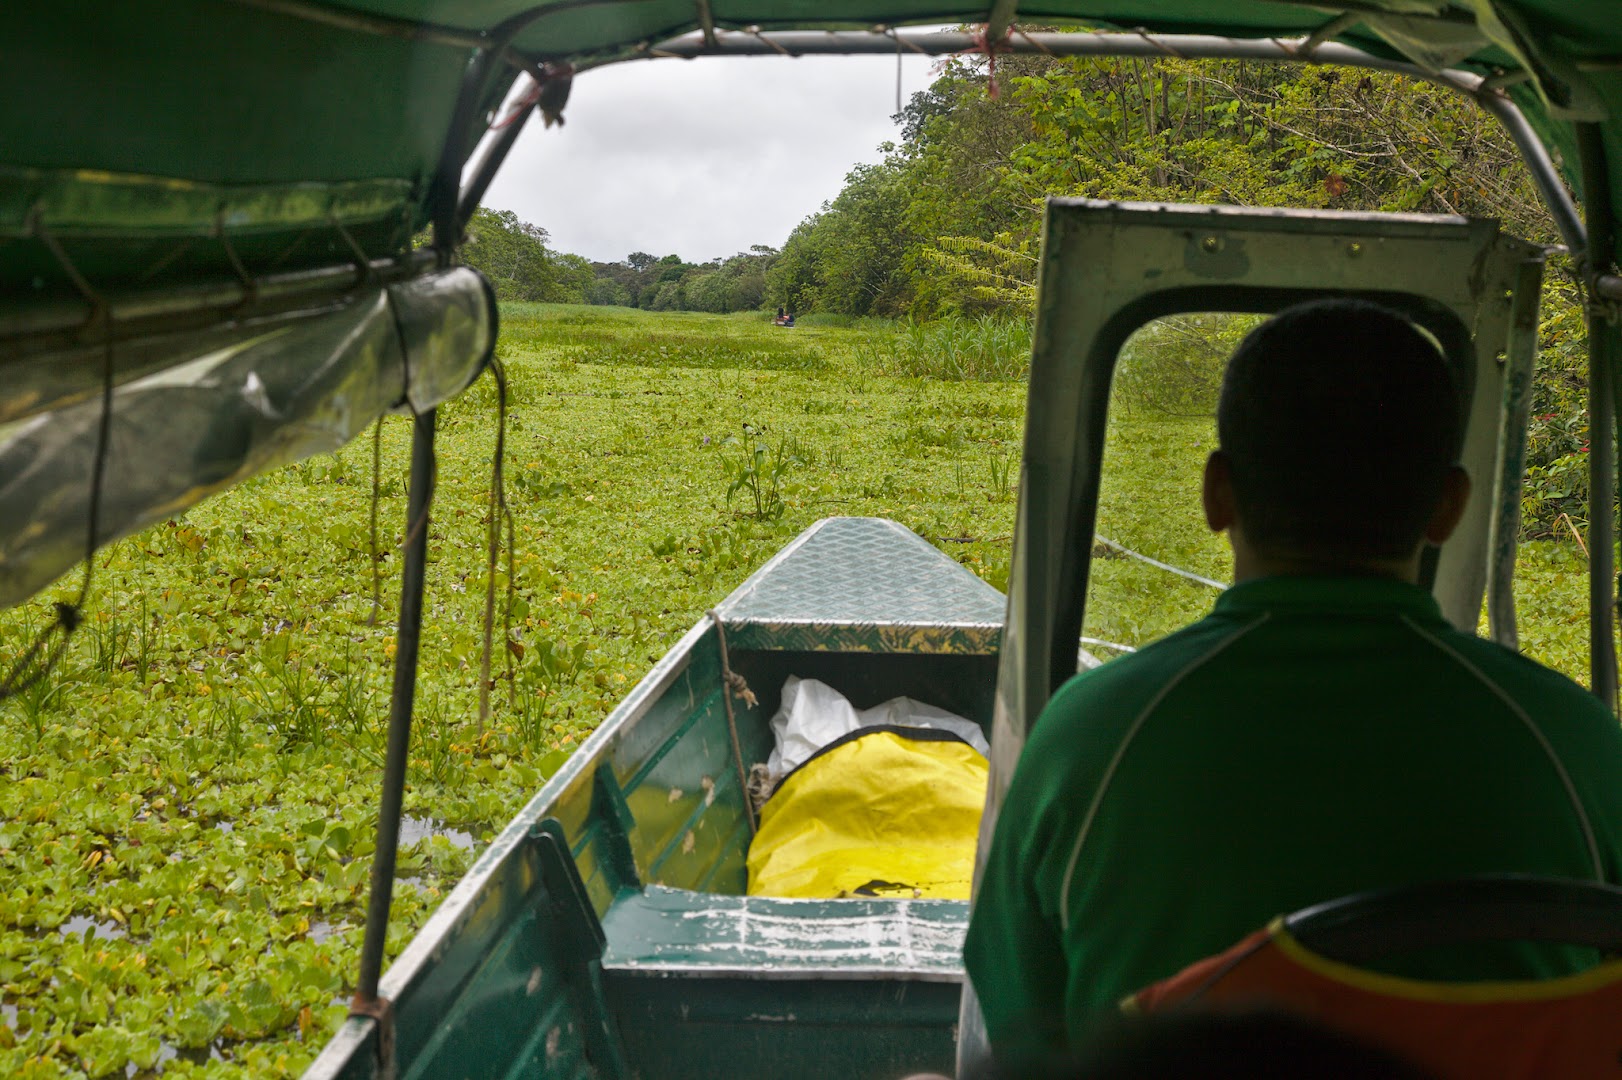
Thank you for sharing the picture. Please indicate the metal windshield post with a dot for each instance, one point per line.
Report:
(366, 1002)
(1600, 257)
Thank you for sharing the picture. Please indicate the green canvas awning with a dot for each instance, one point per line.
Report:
(149, 138)
(185, 172)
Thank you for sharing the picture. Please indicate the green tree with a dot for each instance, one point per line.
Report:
(850, 258)
(513, 255)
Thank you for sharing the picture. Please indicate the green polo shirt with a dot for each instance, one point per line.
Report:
(1311, 738)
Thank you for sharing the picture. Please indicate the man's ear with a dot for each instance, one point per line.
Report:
(1450, 508)
(1216, 493)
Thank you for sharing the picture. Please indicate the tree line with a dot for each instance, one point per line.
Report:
(516, 257)
(946, 221)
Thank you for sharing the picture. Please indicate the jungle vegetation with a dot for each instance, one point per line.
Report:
(943, 228)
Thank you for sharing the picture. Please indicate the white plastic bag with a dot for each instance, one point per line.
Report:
(814, 714)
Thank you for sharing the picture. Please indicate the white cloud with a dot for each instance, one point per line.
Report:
(701, 158)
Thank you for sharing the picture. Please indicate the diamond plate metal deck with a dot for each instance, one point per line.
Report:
(864, 585)
(664, 932)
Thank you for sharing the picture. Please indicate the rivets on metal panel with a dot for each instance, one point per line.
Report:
(1354, 249)
(1211, 244)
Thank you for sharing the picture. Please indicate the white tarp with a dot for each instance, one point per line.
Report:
(814, 714)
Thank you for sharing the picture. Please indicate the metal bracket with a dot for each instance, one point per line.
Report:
(381, 1011)
(1602, 295)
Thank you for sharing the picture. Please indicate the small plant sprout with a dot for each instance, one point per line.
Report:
(759, 470)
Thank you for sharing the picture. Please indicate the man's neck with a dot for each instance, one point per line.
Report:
(1249, 565)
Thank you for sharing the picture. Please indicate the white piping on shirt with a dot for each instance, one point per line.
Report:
(1120, 752)
(1537, 733)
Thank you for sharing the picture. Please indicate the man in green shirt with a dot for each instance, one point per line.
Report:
(1324, 731)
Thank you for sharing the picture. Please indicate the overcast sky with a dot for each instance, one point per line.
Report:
(701, 158)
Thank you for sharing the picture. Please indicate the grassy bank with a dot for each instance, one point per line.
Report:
(187, 808)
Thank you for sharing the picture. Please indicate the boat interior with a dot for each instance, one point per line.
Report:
(577, 939)
(277, 185)
(607, 931)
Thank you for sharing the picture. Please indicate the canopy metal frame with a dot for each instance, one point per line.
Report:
(459, 186)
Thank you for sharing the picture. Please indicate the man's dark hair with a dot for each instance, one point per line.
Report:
(1340, 420)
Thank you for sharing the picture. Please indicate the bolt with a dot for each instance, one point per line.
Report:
(1211, 244)
(1354, 249)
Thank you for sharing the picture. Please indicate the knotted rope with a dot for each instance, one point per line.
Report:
(734, 685)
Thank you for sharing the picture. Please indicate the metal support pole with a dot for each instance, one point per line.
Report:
(444, 196)
(1601, 219)
(405, 685)
(1504, 530)
(491, 154)
(1534, 155)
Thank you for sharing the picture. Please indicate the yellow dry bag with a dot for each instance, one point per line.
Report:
(884, 811)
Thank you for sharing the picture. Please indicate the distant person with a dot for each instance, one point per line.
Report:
(1322, 732)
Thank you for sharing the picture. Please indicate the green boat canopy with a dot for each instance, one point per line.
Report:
(187, 177)
(151, 138)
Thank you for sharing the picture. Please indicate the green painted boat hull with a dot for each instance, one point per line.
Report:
(604, 932)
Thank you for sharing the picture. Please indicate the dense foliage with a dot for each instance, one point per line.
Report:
(947, 220)
(514, 256)
(946, 223)
(720, 286)
(944, 226)
(187, 804)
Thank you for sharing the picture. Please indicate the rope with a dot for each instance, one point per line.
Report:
(363, 261)
(496, 508)
(520, 107)
(377, 476)
(648, 49)
(1179, 571)
(1034, 43)
(412, 527)
(250, 287)
(735, 686)
(1163, 46)
(984, 46)
(754, 31)
(897, 38)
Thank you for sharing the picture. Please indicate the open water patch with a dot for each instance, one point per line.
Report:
(414, 830)
(321, 930)
(82, 924)
(168, 1052)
